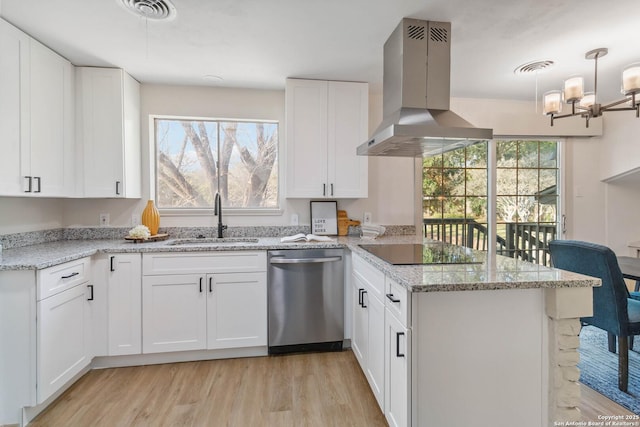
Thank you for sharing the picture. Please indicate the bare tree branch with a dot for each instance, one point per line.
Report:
(177, 182)
(203, 152)
(230, 139)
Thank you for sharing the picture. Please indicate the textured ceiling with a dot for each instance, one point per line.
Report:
(258, 43)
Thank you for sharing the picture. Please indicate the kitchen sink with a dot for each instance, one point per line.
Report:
(212, 241)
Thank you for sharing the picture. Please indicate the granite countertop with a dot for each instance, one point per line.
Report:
(496, 273)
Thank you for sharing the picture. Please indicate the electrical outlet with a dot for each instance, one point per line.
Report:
(294, 219)
(135, 219)
(367, 218)
(104, 219)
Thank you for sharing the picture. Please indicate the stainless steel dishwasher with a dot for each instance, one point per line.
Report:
(305, 300)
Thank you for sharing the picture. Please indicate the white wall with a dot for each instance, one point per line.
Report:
(21, 214)
(390, 180)
(596, 211)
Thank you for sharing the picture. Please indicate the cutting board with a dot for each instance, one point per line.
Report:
(155, 238)
(344, 222)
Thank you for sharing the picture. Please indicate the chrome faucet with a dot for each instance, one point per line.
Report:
(218, 211)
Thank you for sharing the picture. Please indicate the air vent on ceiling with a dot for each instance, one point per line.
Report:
(151, 9)
(534, 67)
(438, 34)
(415, 32)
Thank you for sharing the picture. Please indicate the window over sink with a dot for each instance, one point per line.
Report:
(197, 157)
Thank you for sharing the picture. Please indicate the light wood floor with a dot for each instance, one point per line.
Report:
(318, 389)
(315, 389)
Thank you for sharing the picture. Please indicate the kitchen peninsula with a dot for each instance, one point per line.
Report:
(497, 337)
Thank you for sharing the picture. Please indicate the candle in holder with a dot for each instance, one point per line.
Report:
(552, 102)
(631, 79)
(573, 89)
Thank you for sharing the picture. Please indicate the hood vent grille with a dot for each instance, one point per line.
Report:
(415, 32)
(439, 34)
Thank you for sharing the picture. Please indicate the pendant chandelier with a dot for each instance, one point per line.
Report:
(586, 104)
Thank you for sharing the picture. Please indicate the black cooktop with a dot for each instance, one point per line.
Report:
(415, 254)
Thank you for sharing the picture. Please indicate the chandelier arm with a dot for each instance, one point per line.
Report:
(613, 104)
(622, 109)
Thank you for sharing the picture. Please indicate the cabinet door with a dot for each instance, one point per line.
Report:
(397, 373)
(348, 118)
(132, 185)
(109, 122)
(359, 334)
(14, 137)
(50, 133)
(62, 339)
(236, 310)
(375, 351)
(124, 311)
(306, 138)
(174, 313)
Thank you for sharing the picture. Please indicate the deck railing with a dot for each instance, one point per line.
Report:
(526, 241)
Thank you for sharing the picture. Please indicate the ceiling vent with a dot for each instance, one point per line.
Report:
(158, 10)
(534, 67)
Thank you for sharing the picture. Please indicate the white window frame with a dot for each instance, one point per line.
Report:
(198, 212)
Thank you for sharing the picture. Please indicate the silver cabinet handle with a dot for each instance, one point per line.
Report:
(304, 260)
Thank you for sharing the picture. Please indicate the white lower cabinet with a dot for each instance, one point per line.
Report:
(381, 339)
(397, 349)
(397, 392)
(205, 309)
(124, 305)
(63, 330)
(368, 325)
(236, 310)
(174, 313)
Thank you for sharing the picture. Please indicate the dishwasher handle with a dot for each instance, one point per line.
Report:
(281, 260)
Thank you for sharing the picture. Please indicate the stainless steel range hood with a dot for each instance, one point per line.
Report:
(417, 120)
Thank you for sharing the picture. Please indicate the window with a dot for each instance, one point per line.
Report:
(454, 188)
(527, 197)
(195, 158)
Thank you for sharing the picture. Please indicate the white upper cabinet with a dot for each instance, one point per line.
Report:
(325, 122)
(108, 126)
(36, 123)
(14, 62)
(52, 110)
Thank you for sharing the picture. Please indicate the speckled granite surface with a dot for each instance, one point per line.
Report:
(498, 273)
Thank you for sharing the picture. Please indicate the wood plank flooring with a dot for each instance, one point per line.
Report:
(316, 389)
(313, 389)
(594, 404)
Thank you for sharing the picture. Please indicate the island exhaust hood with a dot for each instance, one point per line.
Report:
(417, 120)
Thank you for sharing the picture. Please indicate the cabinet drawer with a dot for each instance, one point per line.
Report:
(53, 280)
(398, 301)
(373, 277)
(204, 262)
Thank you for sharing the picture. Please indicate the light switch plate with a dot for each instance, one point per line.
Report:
(294, 219)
